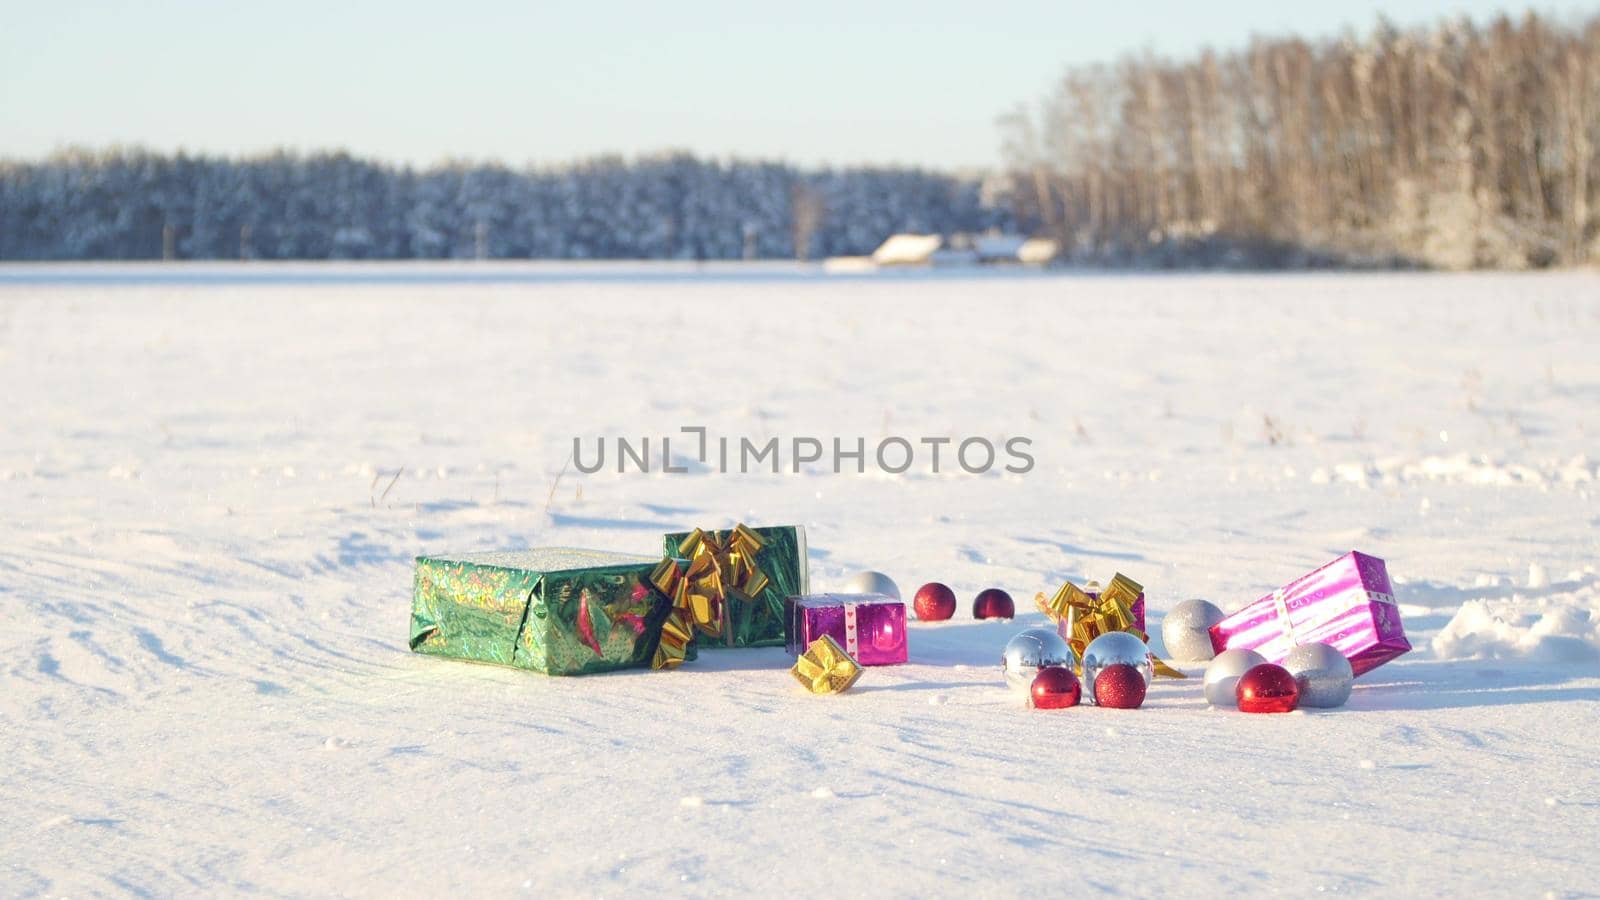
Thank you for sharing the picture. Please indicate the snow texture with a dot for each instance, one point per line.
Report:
(1558, 627)
(213, 489)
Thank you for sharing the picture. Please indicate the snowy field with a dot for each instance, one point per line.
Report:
(212, 489)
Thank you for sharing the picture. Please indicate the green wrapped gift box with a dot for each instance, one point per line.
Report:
(748, 573)
(559, 611)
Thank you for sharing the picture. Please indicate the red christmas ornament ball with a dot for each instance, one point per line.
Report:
(993, 603)
(934, 602)
(1267, 688)
(1119, 686)
(1055, 687)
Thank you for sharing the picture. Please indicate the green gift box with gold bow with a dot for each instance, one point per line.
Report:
(736, 580)
(559, 611)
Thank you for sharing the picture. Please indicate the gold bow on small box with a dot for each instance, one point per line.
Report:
(1089, 617)
(825, 667)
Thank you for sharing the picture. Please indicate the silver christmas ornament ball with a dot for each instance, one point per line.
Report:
(1186, 629)
(1222, 676)
(872, 583)
(1029, 651)
(1323, 673)
(1112, 648)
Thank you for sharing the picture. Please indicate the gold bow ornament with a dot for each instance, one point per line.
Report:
(1087, 617)
(720, 571)
(676, 631)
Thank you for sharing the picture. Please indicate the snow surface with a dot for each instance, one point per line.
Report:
(206, 566)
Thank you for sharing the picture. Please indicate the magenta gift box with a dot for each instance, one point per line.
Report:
(870, 627)
(1347, 603)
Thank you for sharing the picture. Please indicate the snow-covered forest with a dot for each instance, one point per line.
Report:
(140, 205)
(1454, 146)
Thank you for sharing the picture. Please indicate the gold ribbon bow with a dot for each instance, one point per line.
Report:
(718, 570)
(1089, 617)
(676, 632)
(825, 667)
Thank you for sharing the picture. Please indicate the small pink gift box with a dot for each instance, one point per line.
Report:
(870, 627)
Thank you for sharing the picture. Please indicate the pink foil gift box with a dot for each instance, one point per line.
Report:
(1348, 604)
(870, 627)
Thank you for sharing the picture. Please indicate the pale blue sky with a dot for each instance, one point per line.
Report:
(900, 82)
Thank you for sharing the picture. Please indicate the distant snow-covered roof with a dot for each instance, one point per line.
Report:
(903, 249)
(995, 246)
(1014, 248)
(1038, 250)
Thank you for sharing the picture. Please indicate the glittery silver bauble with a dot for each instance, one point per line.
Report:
(1031, 650)
(1222, 676)
(1322, 672)
(1112, 648)
(872, 583)
(1186, 629)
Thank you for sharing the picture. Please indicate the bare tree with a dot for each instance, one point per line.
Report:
(1454, 145)
(807, 210)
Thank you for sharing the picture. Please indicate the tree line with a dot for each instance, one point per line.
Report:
(133, 204)
(1455, 146)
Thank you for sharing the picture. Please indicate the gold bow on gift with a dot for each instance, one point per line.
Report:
(676, 631)
(825, 667)
(1089, 617)
(718, 570)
